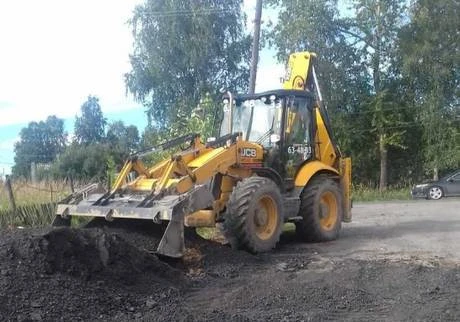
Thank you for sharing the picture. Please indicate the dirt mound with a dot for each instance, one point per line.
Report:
(143, 234)
(81, 274)
(86, 253)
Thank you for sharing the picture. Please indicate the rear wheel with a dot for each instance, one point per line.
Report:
(321, 209)
(253, 219)
(435, 193)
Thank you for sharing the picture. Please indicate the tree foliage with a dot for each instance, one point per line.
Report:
(94, 153)
(363, 80)
(40, 142)
(429, 47)
(90, 126)
(122, 140)
(389, 75)
(345, 79)
(184, 49)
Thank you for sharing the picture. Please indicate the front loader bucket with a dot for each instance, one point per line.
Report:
(168, 208)
(63, 218)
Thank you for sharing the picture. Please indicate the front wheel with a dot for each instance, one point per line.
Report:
(254, 216)
(321, 208)
(435, 193)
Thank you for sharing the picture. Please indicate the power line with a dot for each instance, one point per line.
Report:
(375, 111)
(175, 13)
(384, 128)
(179, 11)
(407, 125)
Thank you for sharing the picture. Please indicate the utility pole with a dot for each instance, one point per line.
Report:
(255, 47)
(254, 60)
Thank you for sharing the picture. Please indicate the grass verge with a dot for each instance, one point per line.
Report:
(363, 193)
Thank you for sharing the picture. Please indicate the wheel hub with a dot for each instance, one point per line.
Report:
(265, 218)
(435, 193)
(261, 217)
(328, 211)
(323, 211)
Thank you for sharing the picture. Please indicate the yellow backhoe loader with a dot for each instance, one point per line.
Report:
(275, 161)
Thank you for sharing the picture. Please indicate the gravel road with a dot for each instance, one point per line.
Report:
(397, 261)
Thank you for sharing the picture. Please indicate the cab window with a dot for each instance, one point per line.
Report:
(297, 122)
(297, 133)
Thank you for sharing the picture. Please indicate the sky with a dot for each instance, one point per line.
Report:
(55, 53)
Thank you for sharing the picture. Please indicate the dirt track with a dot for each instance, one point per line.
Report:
(397, 261)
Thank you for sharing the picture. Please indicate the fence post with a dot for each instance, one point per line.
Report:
(72, 187)
(51, 190)
(33, 173)
(9, 191)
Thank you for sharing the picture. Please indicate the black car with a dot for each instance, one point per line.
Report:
(448, 186)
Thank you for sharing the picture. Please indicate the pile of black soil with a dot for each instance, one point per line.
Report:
(81, 274)
(203, 259)
(143, 234)
(110, 272)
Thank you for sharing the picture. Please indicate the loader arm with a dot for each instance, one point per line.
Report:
(175, 189)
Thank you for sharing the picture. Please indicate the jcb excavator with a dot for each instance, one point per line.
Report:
(275, 161)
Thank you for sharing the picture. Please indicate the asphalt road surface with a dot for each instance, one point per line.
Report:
(418, 229)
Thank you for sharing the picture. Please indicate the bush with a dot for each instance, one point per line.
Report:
(83, 162)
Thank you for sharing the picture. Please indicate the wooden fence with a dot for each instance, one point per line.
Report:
(30, 205)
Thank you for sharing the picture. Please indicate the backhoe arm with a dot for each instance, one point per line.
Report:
(301, 75)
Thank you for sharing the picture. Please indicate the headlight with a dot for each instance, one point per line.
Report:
(423, 185)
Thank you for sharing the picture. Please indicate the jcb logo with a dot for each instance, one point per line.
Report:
(248, 153)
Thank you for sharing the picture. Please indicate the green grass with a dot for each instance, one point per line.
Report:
(207, 232)
(363, 193)
(213, 233)
(34, 215)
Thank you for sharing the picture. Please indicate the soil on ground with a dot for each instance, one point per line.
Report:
(112, 273)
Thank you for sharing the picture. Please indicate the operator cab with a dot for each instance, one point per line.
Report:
(281, 121)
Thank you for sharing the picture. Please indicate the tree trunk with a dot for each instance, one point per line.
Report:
(376, 78)
(383, 164)
(435, 173)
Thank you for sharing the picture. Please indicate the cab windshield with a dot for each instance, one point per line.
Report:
(262, 125)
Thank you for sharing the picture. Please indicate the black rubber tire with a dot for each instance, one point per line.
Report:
(310, 229)
(239, 226)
